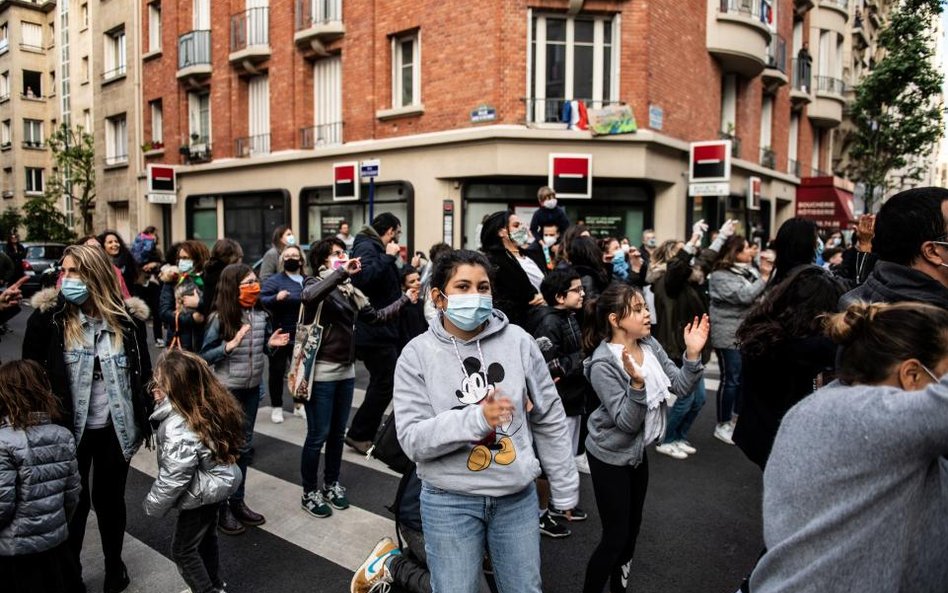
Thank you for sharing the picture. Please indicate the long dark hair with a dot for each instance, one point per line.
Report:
(490, 230)
(226, 251)
(617, 298)
(727, 257)
(124, 259)
(795, 245)
(277, 237)
(585, 256)
(24, 392)
(226, 304)
(208, 408)
(791, 309)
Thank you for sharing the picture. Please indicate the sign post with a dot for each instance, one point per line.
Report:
(371, 170)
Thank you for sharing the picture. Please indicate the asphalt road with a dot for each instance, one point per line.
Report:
(700, 534)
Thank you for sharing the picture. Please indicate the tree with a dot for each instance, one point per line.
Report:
(10, 222)
(45, 221)
(897, 109)
(74, 174)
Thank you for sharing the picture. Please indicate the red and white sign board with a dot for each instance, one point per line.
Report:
(161, 179)
(753, 193)
(570, 175)
(710, 161)
(345, 181)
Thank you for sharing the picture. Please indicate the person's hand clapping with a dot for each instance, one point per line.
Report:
(278, 339)
(237, 339)
(696, 336)
(638, 381)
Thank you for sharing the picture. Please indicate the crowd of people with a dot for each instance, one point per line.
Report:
(546, 353)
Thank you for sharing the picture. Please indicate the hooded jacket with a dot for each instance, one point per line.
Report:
(379, 281)
(440, 382)
(893, 283)
(188, 474)
(189, 331)
(732, 293)
(39, 487)
(617, 427)
(563, 351)
(47, 345)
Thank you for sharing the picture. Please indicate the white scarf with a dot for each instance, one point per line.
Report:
(656, 390)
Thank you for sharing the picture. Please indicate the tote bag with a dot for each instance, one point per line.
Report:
(308, 338)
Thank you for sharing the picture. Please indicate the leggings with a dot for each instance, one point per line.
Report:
(620, 496)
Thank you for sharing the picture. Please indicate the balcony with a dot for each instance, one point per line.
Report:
(199, 151)
(194, 55)
(839, 5)
(768, 158)
(737, 36)
(801, 81)
(250, 37)
(33, 48)
(321, 135)
(318, 22)
(800, 7)
(117, 160)
(860, 36)
(830, 15)
(36, 144)
(793, 167)
(116, 73)
(827, 110)
(549, 110)
(775, 72)
(251, 146)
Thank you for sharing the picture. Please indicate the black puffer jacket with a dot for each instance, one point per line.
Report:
(563, 352)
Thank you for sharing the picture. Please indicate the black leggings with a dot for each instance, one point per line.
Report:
(100, 454)
(278, 364)
(620, 496)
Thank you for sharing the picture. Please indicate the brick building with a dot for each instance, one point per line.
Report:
(257, 101)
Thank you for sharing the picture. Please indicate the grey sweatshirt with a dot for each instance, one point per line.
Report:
(617, 427)
(855, 493)
(440, 382)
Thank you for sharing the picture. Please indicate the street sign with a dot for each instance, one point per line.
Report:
(753, 193)
(483, 113)
(710, 161)
(345, 184)
(370, 168)
(570, 175)
(709, 189)
(162, 198)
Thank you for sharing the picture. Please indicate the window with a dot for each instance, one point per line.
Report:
(84, 14)
(793, 165)
(34, 181)
(4, 37)
(52, 83)
(729, 104)
(572, 58)
(154, 27)
(116, 140)
(114, 54)
(156, 122)
(258, 90)
(6, 134)
(32, 36)
(766, 127)
(406, 71)
(202, 15)
(199, 118)
(4, 86)
(32, 84)
(52, 34)
(87, 121)
(32, 133)
(327, 92)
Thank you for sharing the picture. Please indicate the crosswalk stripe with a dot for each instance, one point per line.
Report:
(150, 570)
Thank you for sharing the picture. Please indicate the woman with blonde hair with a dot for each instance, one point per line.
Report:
(93, 344)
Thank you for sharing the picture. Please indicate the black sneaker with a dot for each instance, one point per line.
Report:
(116, 580)
(577, 514)
(551, 528)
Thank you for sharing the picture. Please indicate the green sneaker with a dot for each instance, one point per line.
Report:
(335, 494)
(314, 504)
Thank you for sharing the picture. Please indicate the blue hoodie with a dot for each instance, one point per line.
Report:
(440, 381)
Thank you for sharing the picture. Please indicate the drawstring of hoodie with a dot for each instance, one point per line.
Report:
(457, 352)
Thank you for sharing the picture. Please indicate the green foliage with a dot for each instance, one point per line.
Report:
(74, 157)
(10, 222)
(897, 110)
(45, 221)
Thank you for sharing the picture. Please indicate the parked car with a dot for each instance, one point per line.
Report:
(41, 265)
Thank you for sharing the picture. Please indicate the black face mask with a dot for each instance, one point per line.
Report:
(291, 265)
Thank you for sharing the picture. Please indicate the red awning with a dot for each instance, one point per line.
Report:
(826, 200)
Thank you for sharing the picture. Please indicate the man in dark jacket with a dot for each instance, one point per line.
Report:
(377, 248)
(911, 240)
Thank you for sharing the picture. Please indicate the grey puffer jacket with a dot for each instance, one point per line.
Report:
(242, 368)
(39, 487)
(188, 474)
(732, 292)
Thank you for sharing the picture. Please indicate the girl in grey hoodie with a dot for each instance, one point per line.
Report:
(634, 379)
(478, 413)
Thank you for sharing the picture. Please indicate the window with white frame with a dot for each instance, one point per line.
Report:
(52, 34)
(327, 92)
(793, 165)
(154, 27)
(201, 15)
(116, 140)
(34, 181)
(4, 86)
(729, 104)
(85, 69)
(6, 133)
(52, 83)
(199, 118)
(87, 121)
(4, 37)
(571, 58)
(766, 129)
(33, 133)
(115, 54)
(156, 122)
(84, 14)
(406, 70)
(32, 35)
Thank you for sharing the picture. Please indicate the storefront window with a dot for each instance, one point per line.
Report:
(321, 215)
(249, 219)
(202, 219)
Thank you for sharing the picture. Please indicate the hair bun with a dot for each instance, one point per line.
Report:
(851, 324)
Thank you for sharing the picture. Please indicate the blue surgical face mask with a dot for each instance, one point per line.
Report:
(468, 311)
(75, 291)
(819, 247)
(185, 265)
(291, 240)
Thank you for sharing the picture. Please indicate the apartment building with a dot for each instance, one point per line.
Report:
(255, 101)
(28, 110)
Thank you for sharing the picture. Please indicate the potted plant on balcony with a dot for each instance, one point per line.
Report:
(768, 158)
(147, 147)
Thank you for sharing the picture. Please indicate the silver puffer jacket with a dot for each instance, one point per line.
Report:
(39, 486)
(188, 474)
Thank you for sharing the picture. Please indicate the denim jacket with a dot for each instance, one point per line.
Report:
(70, 370)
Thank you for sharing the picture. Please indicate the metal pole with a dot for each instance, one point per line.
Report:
(371, 199)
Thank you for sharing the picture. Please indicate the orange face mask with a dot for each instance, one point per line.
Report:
(249, 293)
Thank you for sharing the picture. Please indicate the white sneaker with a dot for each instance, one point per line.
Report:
(686, 447)
(276, 416)
(582, 464)
(671, 450)
(299, 410)
(723, 432)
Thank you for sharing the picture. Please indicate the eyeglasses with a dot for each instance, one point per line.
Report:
(338, 253)
(249, 282)
(577, 290)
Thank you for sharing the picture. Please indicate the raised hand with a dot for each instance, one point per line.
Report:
(412, 294)
(865, 231)
(638, 380)
(392, 248)
(278, 339)
(354, 266)
(696, 336)
(237, 339)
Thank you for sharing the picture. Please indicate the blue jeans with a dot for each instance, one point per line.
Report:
(327, 412)
(683, 413)
(730, 388)
(249, 400)
(457, 527)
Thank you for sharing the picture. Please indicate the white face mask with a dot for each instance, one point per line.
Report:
(549, 240)
(551, 203)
